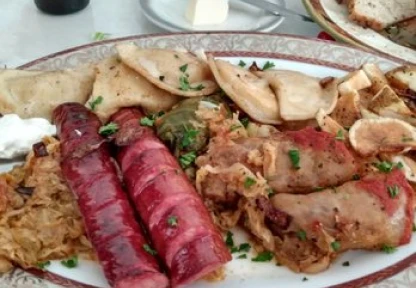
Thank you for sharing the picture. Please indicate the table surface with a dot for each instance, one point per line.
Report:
(27, 34)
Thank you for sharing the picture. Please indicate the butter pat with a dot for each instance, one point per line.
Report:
(207, 12)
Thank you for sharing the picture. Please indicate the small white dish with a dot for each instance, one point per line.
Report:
(170, 15)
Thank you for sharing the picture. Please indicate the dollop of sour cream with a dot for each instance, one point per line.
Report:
(18, 135)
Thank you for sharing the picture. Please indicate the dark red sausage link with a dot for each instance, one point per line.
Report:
(172, 211)
(109, 219)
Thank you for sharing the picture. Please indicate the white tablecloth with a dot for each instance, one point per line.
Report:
(27, 34)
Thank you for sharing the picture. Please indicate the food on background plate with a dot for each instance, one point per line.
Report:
(403, 33)
(119, 86)
(33, 94)
(39, 217)
(297, 180)
(379, 14)
(180, 73)
(18, 135)
(175, 217)
(394, 19)
(125, 255)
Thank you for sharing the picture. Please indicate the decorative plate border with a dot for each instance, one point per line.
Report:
(278, 46)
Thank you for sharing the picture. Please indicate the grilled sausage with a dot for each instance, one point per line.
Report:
(109, 219)
(172, 211)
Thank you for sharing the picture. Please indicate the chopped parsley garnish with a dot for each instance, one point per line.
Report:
(198, 88)
(242, 256)
(146, 121)
(356, 177)
(229, 241)
(176, 56)
(108, 129)
(188, 137)
(304, 279)
(183, 68)
(346, 264)
(244, 247)
(295, 158)
(173, 221)
(161, 78)
(414, 227)
(301, 235)
(263, 257)
(150, 119)
(187, 159)
(149, 249)
(71, 262)
(233, 250)
(235, 127)
(245, 121)
(99, 36)
(248, 182)
(399, 165)
(393, 191)
(97, 101)
(184, 83)
(242, 63)
(336, 246)
(318, 189)
(43, 265)
(270, 192)
(268, 65)
(340, 135)
(388, 249)
(384, 166)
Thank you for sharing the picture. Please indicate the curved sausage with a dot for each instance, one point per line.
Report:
(172, 211)
(109, 219)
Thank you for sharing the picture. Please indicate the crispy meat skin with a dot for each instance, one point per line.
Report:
(191, 246)
(108, 216)
(324, 161)
(359, 215)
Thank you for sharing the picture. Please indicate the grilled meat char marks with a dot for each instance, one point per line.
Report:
(172, 211)
(109, 219)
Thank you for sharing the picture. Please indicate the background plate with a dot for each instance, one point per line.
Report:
(311, 56)
(334, 19)
(170, 15)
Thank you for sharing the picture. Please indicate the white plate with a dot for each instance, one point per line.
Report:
(310, 56)
(170, 15)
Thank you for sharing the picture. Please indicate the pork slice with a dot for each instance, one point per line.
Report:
(357, 215)
(323, 160)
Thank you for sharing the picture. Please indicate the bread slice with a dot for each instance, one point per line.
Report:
(379, 14)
